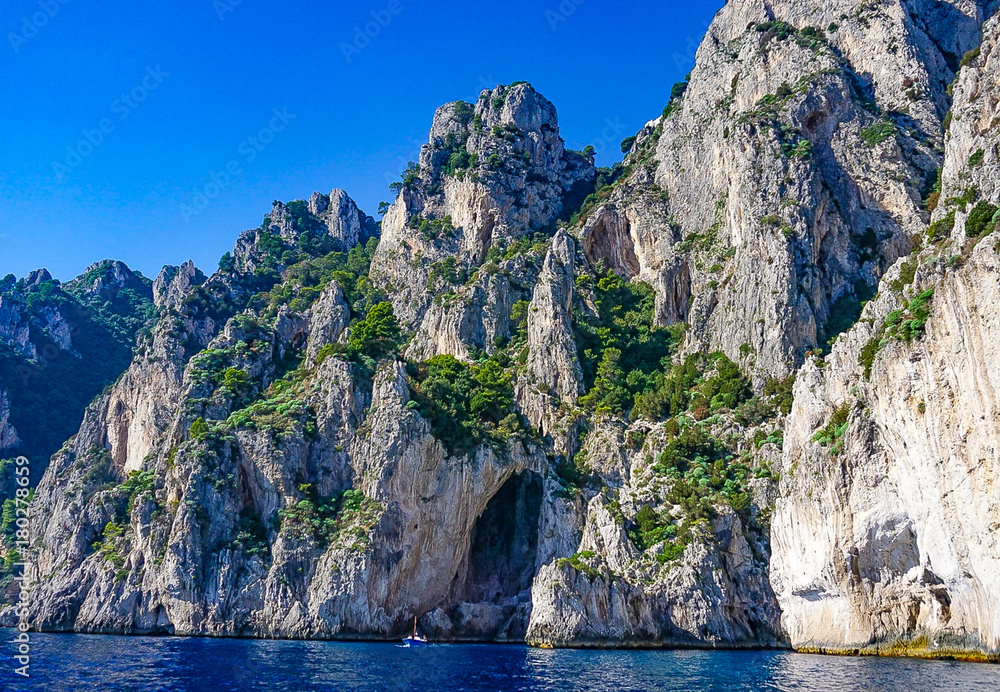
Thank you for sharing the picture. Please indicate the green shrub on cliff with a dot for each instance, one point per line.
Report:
(906, 324)
(701, 384)
(465, 405)
(878, 133)
(376, 335)
(304, 282)
(980, 221)
(281, 412)
(621, 351)
(325, 519)
(835, 428)
(199, 429)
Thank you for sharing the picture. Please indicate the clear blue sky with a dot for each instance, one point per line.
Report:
(179, 91)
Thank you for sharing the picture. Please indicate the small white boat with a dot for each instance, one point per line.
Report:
(416, 640)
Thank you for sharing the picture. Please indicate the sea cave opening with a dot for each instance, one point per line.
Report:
(503, 553)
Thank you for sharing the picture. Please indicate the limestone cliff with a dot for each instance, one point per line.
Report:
(884, 535)
(645, 405)
(786, 175)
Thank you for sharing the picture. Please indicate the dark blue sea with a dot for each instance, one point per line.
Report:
(79, 662)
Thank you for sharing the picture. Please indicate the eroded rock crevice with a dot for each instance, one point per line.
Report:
(607, 239)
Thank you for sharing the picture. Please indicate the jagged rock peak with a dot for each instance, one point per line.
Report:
(322, 224)
(173, 283)
(552, 372)
(37, 277)
(505, 123)
(341, 216)
(498, 168)
(108, 276)
(491, 173)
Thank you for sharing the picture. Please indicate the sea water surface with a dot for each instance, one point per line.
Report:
(109, 663)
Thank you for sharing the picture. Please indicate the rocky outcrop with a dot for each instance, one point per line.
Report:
(717, 596)
(105, 279)
(552, 379)
(173, 284)
(884, 536)
(328, 321)
(713, 593)
(492, 174)
(323, 224)
(774, 198)
(8, 435)
(344, 222)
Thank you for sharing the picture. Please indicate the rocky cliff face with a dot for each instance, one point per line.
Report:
(8, 435)
(493, 173)
(787, 174)
(884, 536)
(575, 407)
(279, 464)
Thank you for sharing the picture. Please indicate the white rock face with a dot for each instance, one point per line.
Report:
(890, 544)
(517, 178)
(552, 376)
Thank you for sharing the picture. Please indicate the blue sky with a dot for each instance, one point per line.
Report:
(118, 113)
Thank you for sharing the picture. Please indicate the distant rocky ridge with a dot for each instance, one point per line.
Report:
(732, 392)
(83, 330)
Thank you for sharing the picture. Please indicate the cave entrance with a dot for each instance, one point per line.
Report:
(503, 554)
